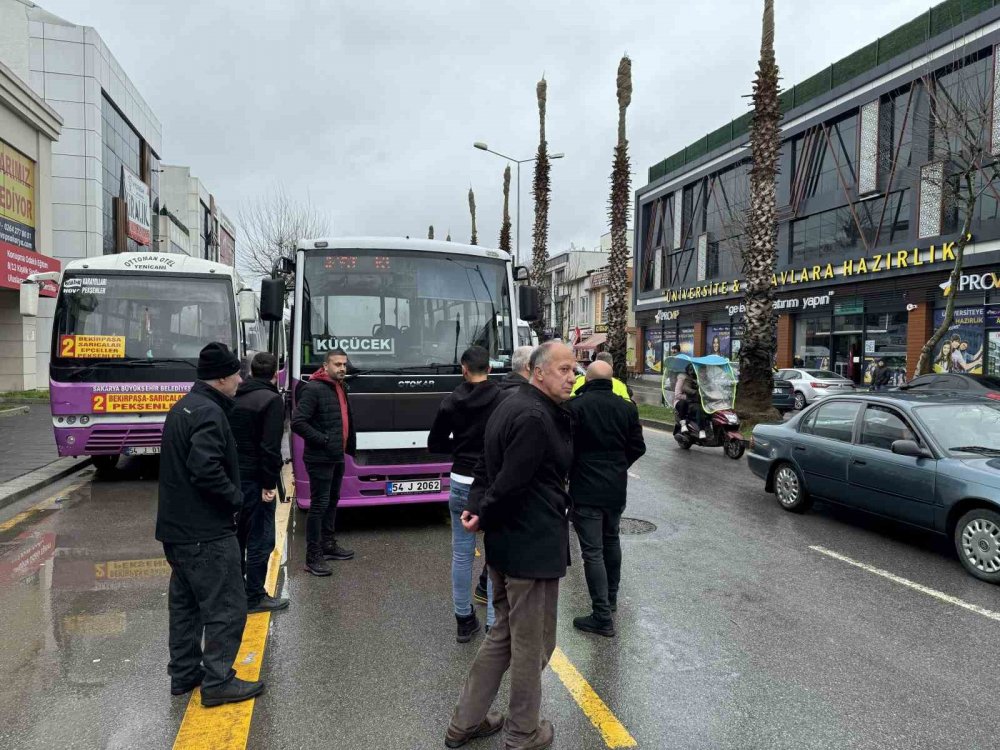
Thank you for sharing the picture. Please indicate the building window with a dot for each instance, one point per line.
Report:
(123, 146)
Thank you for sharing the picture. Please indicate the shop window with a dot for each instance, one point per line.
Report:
(812, 341)
(717, 340)
(885, 339)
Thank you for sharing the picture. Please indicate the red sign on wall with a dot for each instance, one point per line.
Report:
(16, 264)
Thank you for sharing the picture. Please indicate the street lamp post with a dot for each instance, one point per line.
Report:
(483, 147)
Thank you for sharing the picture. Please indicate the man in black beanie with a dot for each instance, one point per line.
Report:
(199, 502)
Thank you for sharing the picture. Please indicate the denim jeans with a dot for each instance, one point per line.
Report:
(601, 549)
(256, 536)
(463, 552)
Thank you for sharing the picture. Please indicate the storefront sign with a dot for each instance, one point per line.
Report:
(81, 346)
(974, 282)
(16, 264)
(863, 266)
(355, 345)
(101, 403)
(136, 195)
(796, 303)
(601, 328)
(17, 187)
(665, 316)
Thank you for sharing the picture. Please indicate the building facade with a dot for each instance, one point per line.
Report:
(28, 127)
(870, 206)
(105, 164)
(565, 300)
(212, 234)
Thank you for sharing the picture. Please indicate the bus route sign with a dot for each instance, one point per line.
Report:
(82, 346)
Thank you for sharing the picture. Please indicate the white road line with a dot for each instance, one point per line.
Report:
(910, 584)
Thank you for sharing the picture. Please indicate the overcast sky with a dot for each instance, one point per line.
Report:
(369, 109)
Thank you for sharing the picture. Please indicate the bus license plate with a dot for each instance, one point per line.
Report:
(152, 450)
(413, 487)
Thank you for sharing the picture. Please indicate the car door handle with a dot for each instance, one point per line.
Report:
(859, 462)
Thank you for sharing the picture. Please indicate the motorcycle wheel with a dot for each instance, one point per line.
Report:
(683, 442)
(734, 449)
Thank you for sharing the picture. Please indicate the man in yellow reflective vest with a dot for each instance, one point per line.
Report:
(617, 386)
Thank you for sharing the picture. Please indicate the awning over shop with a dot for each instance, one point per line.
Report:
(592, 343)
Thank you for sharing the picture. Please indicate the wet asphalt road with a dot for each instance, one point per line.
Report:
(732, 632)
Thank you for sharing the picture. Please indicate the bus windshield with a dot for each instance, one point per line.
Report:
(393, 310)
(113, 316)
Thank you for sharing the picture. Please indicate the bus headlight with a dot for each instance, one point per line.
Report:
(84, 420)
(70, 420)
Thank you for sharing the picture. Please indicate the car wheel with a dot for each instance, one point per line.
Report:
(789, 490)
(977, 542)
(800, 401)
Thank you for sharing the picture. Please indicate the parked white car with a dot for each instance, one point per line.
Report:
(812, 385)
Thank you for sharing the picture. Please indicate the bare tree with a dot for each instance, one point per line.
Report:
(270, 227)
(963, 166)
(618, 213)
(472, 210)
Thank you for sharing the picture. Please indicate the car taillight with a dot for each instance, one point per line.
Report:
(993, 395)
(820, 385)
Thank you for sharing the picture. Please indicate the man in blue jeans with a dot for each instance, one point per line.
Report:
(258, 421)
(459, 429)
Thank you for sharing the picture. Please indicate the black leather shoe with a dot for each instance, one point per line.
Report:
(333, 551)
(492, 724)
(234, 691)
(468, 626)
(267, 604)
(181, 688)
(318, 567)
(591, 624)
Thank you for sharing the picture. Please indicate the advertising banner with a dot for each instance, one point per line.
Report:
(135, 192)
(961, 348)
(82, 346)
(17, 187)
(16, 264)
(653, 359)
(717, 340)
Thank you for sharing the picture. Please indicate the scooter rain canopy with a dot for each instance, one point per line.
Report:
(716, 379)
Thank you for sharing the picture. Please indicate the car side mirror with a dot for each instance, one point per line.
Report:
(910, 448)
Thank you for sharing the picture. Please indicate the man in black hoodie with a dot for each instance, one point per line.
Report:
(199, 501)
(459, 429)
(323, 418)
(258, 421)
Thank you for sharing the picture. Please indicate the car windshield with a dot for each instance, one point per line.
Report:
(964, 430)
(823, 375)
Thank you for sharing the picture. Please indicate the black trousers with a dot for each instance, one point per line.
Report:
(206, 598)
(255, 532)
(324, 494)
(600, 545)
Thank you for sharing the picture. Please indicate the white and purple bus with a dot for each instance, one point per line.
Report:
(404, 311)
(126, 335)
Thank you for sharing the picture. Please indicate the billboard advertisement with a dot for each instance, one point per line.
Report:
(18, 258)
(135, 193)
(961, 348)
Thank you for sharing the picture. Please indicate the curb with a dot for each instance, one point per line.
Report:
(14, 411)
(14, 489)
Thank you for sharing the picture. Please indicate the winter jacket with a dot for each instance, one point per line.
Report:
(199, 496)
(519, 492)
(512, 380)
(317, 420)
(460, 425)
(690, 390)
(607, 439)
(258, 421)
(881, 377)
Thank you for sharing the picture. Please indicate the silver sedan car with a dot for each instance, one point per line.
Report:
(812, 385)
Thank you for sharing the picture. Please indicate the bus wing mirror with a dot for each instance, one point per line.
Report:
(248, 305)
(521, 273)
(529, 304)
(272, 300)
(29, 298)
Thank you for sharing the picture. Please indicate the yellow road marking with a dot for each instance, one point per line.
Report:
(947, 598)
(612, 730)
(47, 504)
(227, 727)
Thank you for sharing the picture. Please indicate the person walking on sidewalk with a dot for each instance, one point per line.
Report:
(607, 439)
(459, 430)
(323, 419)
(199, 500)
(519, 375)
(519, 499)
(258, 421)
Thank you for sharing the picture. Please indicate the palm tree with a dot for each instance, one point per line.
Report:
(505, 225)
(757, 352)
(618, 213)
(540, 232)
(430, 232)
(472, 210)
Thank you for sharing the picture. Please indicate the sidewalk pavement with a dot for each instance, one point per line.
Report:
(28, 457)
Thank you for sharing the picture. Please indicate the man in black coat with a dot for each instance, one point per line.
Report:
(519, 499)
(607, 440)
(199, 501)
(881, 376)
(323, 419)
(258, 421)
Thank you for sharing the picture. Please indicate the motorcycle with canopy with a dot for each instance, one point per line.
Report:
(718, 421)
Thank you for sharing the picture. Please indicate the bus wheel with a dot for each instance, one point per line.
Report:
(105, 464)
